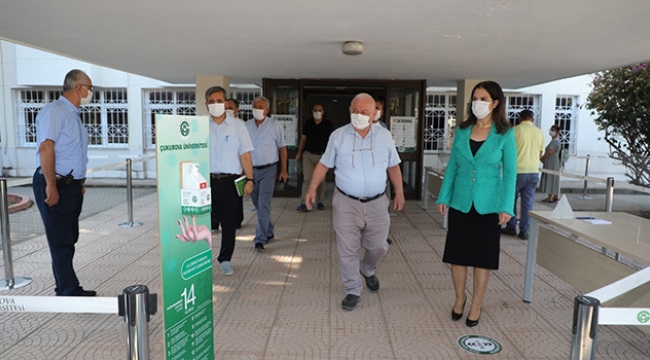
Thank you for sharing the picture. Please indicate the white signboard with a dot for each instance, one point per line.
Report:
(289, 125)
(403, 130)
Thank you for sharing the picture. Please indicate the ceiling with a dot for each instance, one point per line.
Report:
(515, 42)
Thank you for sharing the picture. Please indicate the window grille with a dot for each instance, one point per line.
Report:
(440, 119)
(171, 102)
(245, 98)
(517, 103)
(566, 117)
(105, 118)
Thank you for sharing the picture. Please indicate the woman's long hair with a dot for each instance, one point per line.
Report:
(498, 113)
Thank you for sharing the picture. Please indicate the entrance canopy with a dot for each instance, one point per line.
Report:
(515, 42)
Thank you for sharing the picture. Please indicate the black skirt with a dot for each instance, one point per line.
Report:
(473, 239)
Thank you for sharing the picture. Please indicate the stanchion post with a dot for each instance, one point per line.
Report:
(584, 190)
(609, 197)
(129, 197)
(9, 282)
(136, 305)
(585, 326)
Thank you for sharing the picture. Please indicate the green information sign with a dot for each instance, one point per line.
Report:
(184, 205)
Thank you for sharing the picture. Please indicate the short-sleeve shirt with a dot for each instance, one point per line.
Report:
(228, 141)
(59, 121)
(360, 163)
(267, 139)
(317, 135)
(530, 144)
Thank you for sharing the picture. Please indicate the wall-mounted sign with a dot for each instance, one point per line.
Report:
(289, 125)
(403, 130)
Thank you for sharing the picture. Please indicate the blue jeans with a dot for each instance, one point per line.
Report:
(526, 185)
(61, 223)
(261, 197)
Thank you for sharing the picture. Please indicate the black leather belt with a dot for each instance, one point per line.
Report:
(221, 176)
(362, 200)
(60, 178)
(264, 166)
(316, 152)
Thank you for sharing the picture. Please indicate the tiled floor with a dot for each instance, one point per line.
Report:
(286, 302)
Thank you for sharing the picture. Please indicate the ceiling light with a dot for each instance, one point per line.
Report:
(352, 48)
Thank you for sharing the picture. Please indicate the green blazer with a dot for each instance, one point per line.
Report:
(486, 180)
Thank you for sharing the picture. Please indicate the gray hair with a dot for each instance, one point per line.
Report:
(215, 89)
(73, 78)
(262, 98)
(360, 96)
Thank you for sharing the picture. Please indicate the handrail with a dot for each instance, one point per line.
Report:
(28, 180)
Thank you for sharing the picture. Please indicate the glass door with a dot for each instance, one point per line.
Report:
(284, 96)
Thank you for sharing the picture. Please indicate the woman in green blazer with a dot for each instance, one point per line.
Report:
(478, 190)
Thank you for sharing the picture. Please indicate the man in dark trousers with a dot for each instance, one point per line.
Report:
(58, 183)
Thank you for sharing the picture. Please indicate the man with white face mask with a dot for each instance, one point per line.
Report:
(268, 140)
(61, 158)
(315, 133)
(363, 155)
(230, 147)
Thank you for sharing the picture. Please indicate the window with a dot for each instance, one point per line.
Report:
(105, 118)
(171, 102)
(440, 117)
(245, 98)
(522, 102)
(566, 117)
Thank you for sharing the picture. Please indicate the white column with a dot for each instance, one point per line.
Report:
(8, 120)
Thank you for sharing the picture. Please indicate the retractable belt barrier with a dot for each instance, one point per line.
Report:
(135, 305)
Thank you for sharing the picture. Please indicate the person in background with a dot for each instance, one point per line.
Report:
(232, 110)
(379, 107)
(315, 134)
(550, 184)
(530, 144)
(268, 141)
(230, 156)
(58, 182)
(362, 156)
(478, 190)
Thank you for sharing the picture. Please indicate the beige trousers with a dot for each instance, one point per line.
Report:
(309, 162)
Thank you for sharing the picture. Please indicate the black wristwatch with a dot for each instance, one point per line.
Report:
(250, 179)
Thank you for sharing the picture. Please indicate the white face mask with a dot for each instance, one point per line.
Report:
(258, 114)
(378, 116)
(360, 121)
(481, 109)
(217, 109)
(230, 113)
(317, 115)
(552, 133)
(87, 99)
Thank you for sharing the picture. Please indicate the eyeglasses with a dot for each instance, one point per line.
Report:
(361, 150)
(90, 87)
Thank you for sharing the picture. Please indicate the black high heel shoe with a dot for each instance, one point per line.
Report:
(472, 323)
(455, 316)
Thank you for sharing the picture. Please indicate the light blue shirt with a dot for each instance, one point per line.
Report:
(59, 121)
(267, 139)
(228, 142)
(360, 164)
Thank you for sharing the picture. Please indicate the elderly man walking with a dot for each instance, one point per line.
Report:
(361, 154)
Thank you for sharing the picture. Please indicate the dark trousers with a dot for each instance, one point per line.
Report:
(240, 215)
(225, 205)
(61, 223)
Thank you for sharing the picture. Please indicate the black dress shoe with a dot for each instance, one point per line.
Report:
(509, 231)
(523, 235)
(455, 316)
(350, 302)
(372, 283)
(472, 323)
(86, 293)
(389, 241)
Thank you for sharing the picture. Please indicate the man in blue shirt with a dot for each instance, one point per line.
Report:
(268, 140)
(61, 158)
(230, 147)
(362, 156)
